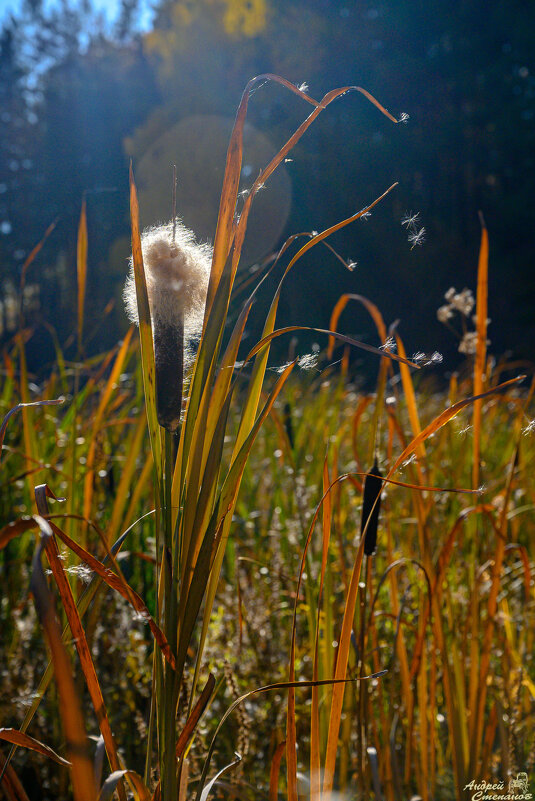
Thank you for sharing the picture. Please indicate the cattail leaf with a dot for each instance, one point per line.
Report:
(81, 270)
(371, 505)
(197, 712)
(210, 556)
(145, 330)
(25, 741)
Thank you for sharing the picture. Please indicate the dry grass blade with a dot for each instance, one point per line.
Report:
(315, 756)
(30, 258)
(410, 397)
(10, 784)
(211, 783)
(98, 418)
(139, 788)
(339, 308)
(81, 270)
(82, 606)
(16, 737)
(198, 709)
(122, 587)
(12, 530)
(71, 715)
(444, 418)
(349, 340)
(281, 685)
(78, 633)
(481, 346)
(20, 406)
(274, 771)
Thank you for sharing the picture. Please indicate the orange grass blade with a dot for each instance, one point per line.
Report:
(81, 270)
(410, 397)
(121, 586)
(481, 347)
(25, 741)
(9, 782)
(71, 716)
(274, 771)
(315, 757)
(15, 529)
(444, 418)
(339, 308)
(198, 710)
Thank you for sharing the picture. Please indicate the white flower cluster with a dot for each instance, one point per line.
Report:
(462, 302)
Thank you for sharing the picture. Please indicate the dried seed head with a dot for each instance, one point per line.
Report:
(177, 274)
(177, 271)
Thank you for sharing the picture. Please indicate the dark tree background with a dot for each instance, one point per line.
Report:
(80, 95)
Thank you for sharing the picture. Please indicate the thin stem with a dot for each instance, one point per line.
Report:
(174, 204)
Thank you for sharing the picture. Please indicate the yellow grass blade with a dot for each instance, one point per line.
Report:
(145, 331)
(410, 397)
(111, 385)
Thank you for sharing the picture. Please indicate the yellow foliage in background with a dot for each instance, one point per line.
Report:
(244, 17)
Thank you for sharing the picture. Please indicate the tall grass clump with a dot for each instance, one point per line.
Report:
(390, 662)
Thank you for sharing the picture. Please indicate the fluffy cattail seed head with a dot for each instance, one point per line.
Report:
(177, 270)
(177, 276)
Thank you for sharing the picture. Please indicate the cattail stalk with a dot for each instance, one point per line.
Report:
(371, 504)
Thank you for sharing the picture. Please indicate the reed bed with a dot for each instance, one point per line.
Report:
(216, 612)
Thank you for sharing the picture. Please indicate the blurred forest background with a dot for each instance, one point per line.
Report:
(82, 92)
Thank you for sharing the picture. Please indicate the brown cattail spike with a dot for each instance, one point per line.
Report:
(371, 503)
